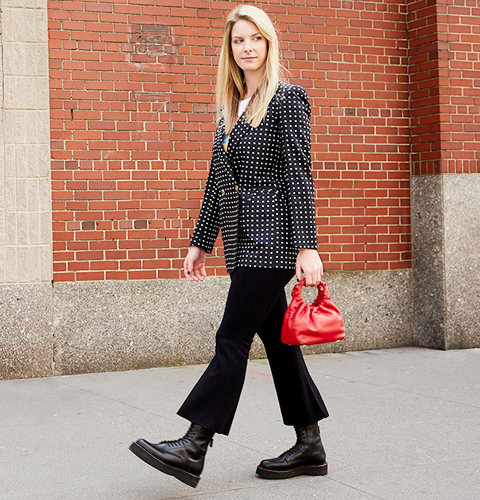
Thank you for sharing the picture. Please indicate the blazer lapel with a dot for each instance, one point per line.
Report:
(221, 155)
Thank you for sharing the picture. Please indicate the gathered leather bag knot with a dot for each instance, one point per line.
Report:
(317, 323)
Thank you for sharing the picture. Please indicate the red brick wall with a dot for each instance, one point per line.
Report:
(132, 124)
(445, 85)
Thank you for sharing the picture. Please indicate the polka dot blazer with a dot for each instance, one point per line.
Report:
(260, 191)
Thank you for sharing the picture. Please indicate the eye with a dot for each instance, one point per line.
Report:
(237, 40)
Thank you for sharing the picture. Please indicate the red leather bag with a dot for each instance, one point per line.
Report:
(318, 323)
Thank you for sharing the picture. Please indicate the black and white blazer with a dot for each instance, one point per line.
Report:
(260, 191)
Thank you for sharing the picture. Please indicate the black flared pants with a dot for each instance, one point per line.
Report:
(256, 303)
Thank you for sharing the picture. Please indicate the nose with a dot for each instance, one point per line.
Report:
(248, 47)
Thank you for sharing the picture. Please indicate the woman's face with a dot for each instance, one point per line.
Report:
(249, 46)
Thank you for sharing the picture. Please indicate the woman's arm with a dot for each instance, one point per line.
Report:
(194, 264)
(295, 125)
(208, 224)
(205, 234)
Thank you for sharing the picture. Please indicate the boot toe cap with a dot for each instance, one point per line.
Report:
(269, 463)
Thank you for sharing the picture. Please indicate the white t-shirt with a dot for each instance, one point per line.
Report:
(243, 105)
(241, 108)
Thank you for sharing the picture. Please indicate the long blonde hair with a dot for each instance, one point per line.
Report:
(230, 80)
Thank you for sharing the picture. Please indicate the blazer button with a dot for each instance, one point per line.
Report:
(223, 192)
(236, 188)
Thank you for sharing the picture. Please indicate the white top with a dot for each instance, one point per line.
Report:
(241, 108)
(243, 105)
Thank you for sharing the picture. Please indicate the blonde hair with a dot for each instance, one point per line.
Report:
(230, 80)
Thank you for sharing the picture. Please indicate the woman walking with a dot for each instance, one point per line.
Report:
(260, 193)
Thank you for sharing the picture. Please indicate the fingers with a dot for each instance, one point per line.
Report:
(312, 278)
(193, 269)
(197, 274)
(298, 271)
(313, 275)
(310, 263)
(194, 275)
(188, 269)
(185, 268)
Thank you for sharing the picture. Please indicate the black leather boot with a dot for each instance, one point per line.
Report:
(182, 458)
(307, 457)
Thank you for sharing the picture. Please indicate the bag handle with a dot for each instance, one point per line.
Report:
(321, 287)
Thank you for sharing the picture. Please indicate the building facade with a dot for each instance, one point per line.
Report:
(108, 118)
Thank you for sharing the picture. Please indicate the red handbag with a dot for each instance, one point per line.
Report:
(318, 323)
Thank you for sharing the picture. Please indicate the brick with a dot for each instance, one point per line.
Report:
(90, 276)
(157, 166)
(59, 277)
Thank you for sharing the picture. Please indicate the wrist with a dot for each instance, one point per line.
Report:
(197, 248)
(307, 250)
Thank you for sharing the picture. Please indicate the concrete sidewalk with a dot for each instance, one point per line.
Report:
(404, 424)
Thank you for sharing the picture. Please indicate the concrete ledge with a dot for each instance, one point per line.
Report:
(377, 308)
(110, 326)
(122, 325)
(26, 331)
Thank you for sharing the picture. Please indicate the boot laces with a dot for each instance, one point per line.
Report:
(301, 440)
(192, 431)
(293, 450)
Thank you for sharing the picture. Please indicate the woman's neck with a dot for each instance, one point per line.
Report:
(252, 80)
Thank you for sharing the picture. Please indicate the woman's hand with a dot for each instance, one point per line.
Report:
(310, 263)
(194, 264)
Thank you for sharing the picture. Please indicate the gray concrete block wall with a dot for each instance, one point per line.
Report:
(123, 325)
(461, 194)
(120, 325)
(27, 340)
(446, 260)
(25, 192)
(429, 261)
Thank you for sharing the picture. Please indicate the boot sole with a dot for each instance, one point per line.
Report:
(307, 470)
(143, 454)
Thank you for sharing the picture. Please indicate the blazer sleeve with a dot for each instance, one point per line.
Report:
(208, 224)
(295, 125)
